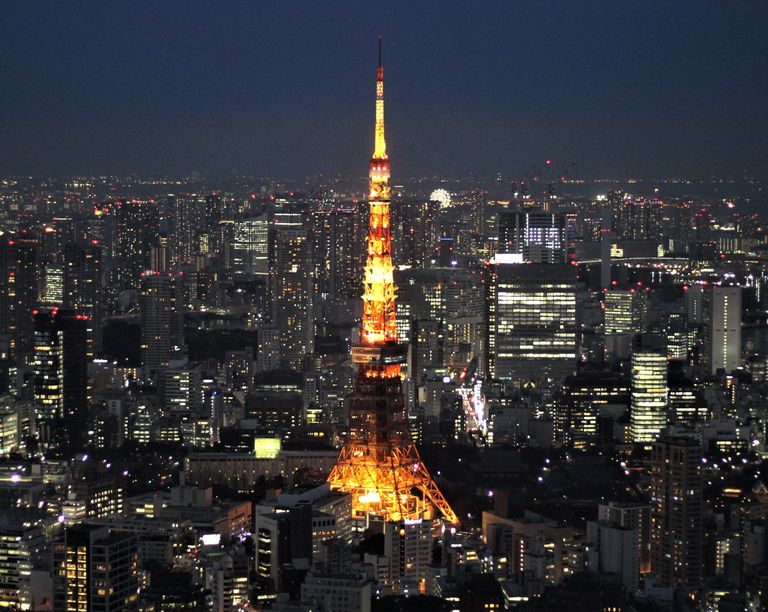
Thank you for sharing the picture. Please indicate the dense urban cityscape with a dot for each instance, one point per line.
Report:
(537, 391)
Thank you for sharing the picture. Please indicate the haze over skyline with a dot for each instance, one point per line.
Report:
(646, 89)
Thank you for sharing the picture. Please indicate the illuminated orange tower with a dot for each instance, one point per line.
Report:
(379, 465)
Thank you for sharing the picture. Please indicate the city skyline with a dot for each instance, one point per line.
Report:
(525, 390)
(651, 90)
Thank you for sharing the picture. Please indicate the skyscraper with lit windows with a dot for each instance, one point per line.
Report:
(250, 247)
(137, 232)
(677, 512)
(18, 293)
(291, 281)
(649, 392)
(162, 319)
(621, 311)
(94, 569)
(83, 288)
(60, 371)
(532, 323)
(538, 237)
(723, 330)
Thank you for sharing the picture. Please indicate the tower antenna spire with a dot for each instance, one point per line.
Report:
(379, 50)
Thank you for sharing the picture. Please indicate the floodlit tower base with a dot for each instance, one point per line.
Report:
(387, 478)
(389, 482)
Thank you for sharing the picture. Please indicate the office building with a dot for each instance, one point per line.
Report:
(52, 288)
(622, 311)
(95, 569)
(102, 494)
(250, 247)
(18, 293)
(60, 371)
(585, 398)
(687, 404)
(538, 237)
(532, 321)
(649, 394)
(180, 389)
(83, 289)
(22, 547)
(226, 577)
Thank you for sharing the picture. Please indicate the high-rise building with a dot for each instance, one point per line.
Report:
(584, 396)
(52, 287)
(22, 547)
(606, 243)
(137, 233)
(636, 516)
(415, 232)
(633, 218)
(677, 332)
(60, 367)
(538, 236)
(95, 569)
(239, 369)
(101, 494)
(649, 393)
(379, 465)
(532, 321)
(619, 552)
(188, 217)
(268, 354)
(440, 312)
(723, 333)
(622, 311)
(83, 289)
(695, 304)
(180, 390)
(347, 258)
(677, 512)
(250, 248)
(159, 256)
(162, 319)
(227, 579)
(291, 287)
(408, 550)
(18, 293)
(687, 404)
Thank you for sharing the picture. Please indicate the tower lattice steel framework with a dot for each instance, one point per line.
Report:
(379, 465)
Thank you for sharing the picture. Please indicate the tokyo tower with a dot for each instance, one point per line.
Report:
(379, 465)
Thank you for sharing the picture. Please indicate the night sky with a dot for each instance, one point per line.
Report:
(644, 87)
